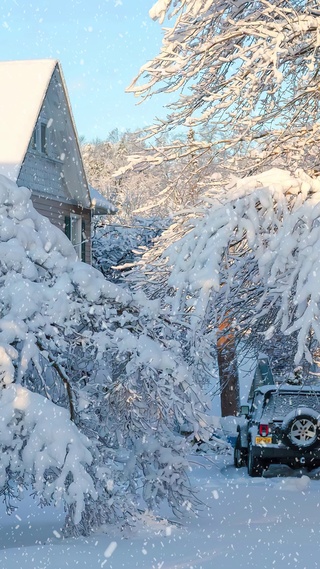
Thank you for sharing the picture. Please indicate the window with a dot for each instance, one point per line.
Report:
(75, 231)
(43, 138)
(39, 140)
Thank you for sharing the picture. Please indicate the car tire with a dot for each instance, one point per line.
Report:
(239, 456)
(301, 430)
(255, 466)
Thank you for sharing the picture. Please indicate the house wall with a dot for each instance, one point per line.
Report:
(57, 211)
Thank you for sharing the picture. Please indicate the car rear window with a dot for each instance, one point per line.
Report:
(280, 404)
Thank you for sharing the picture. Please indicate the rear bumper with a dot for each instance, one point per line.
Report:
(287, 455)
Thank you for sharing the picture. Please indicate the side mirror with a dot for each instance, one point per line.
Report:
(244, 410)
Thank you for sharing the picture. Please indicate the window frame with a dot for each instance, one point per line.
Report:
(76, 234)
(80, 246)
(40, 142)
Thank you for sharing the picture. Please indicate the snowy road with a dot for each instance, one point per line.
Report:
(244, 523)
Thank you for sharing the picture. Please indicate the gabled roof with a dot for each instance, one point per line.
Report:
(23, 89)
(23, 85)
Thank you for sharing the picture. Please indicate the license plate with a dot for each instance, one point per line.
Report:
(263, 440)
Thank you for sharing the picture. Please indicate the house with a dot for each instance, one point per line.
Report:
(39, 148)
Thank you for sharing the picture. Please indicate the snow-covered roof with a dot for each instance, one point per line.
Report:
(100, 205)
(23, 85)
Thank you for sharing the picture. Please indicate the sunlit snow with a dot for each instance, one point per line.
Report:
(243, 524)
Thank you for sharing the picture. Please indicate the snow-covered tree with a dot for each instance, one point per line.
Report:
(139, 190)
(130, 191)
(245, 72)
(244, 264)
(142, 212)
(91, 386)
(246, 80)
(117, 239)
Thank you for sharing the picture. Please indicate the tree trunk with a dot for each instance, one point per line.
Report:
(228, 375)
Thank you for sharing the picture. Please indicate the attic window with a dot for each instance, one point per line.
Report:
(43, 138)
(39, 140)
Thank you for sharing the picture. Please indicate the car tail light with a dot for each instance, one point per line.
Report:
(263, 430)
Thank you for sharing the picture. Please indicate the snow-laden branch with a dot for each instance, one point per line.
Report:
(240, 69)
(253, 258)
(40, 446)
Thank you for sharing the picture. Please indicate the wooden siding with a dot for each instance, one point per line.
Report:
(42, 174)
(57, 211)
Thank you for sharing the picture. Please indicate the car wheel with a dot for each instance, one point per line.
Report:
(239, 457)
(255, 466)
(301, 430)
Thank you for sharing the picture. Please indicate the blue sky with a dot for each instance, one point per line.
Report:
(101, 45)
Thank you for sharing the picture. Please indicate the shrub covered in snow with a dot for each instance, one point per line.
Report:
(90, 384)
(116, 245)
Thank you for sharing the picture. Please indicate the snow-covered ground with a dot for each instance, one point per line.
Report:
(243, 523)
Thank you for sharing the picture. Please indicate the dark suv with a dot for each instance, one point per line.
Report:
(282, 426)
